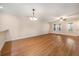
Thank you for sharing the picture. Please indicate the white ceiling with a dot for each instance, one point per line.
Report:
(45, 11)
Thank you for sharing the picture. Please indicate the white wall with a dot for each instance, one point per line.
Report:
(64, 30)
(28, 28)
(10, 23)
(22, 27)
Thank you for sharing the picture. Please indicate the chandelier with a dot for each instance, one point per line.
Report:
(33, 18)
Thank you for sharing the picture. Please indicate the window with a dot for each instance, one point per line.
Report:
(57, 27)
(54, 27)
(69, 27)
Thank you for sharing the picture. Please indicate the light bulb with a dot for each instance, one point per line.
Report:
(33, 18)
(61, 20)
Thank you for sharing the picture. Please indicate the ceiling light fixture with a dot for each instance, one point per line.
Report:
(33, 18)
(63, 18)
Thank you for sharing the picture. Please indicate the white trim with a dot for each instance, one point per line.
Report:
(71, 34)
(2, 45)
(3, 40)
(32, 35)
(27, 36)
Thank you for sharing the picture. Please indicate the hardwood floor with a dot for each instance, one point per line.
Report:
(0, 52)
(44, 45)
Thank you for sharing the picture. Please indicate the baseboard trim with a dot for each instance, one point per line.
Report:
(26, 36)
(65, 34)
(2, 46)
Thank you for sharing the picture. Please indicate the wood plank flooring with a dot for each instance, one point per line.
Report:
(0, 52)
(44, 45)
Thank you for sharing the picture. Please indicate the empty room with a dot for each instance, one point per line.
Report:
(39, 29)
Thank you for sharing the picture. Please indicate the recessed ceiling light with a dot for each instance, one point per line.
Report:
(1, 7)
